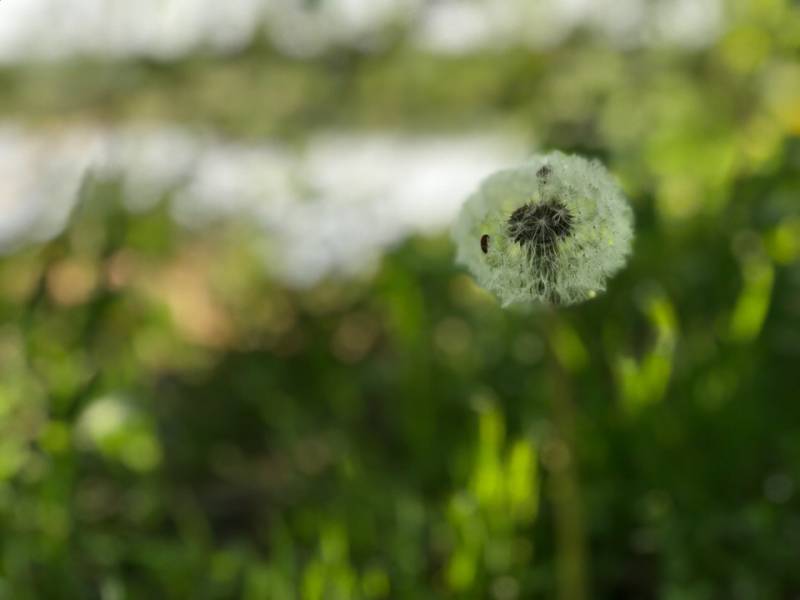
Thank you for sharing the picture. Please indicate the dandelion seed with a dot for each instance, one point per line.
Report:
(559, 227)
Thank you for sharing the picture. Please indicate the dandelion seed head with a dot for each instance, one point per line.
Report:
(559, 228)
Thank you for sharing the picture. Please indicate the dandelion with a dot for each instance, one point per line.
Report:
(553, 229)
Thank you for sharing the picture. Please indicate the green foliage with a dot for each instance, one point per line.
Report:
(175, 424)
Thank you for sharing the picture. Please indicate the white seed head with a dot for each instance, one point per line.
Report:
(553, 229)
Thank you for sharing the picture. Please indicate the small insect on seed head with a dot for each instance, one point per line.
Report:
(485, 243)
(543, 172)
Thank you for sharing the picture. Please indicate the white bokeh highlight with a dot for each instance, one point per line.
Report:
(330, 208)
(52, 30)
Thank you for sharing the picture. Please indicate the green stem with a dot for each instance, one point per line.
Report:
(564, 480)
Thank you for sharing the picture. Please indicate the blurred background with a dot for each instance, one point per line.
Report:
(237, 360)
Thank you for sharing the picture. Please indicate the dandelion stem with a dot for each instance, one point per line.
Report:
(564, 481)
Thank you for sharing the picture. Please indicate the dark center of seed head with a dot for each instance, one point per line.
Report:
(538, 227)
